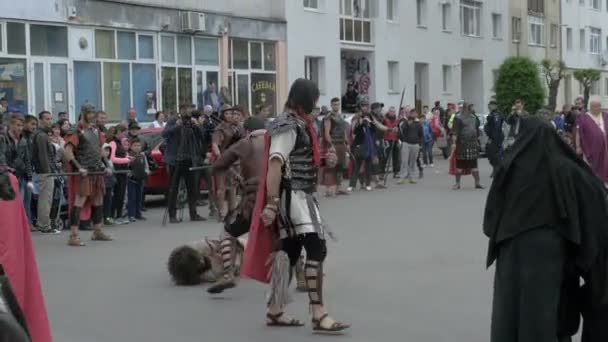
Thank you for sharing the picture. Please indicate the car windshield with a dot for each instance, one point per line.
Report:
(151, 138)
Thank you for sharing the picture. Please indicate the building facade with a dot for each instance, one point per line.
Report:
(151, 55)
(436, 50)
(535, 27)
(585, 45)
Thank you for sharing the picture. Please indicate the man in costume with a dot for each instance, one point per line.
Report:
(494, 132)
(23, 317)
(591, 135)
(83, 154)
(286, 207)
(201, 262)
(185, 149)
(545, 217)
(335, 136)
(466, 146)
(249, 152)
(226, 134)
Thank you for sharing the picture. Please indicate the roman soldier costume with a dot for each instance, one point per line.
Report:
(288, 207)
(224, 135)
(335, 141)
(83, 151)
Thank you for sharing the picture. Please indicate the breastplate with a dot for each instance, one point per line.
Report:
(88, 153)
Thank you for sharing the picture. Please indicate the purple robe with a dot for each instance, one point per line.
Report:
(594, 144)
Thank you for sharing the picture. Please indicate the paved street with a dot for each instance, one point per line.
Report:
(409, 265)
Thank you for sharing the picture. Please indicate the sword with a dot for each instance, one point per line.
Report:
(89, 173)
(198, 168)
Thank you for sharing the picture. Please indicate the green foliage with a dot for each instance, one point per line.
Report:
(519, 78)
(586, 77)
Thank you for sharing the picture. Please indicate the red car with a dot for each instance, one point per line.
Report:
(158, 181)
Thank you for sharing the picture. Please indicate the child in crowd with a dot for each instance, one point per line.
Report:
(110, 183)
(135, 185)
(427, 145)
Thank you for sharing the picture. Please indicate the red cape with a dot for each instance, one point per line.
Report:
(19, 262)
(260, 242)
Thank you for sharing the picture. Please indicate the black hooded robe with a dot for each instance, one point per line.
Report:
(546, 218)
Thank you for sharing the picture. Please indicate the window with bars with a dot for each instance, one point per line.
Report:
(595, 35)
(536, 31)
(470, 18)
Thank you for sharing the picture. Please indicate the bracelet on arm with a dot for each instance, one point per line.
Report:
(271, 207)
(273, 200)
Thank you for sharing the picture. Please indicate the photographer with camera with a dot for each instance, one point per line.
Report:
(185, 141)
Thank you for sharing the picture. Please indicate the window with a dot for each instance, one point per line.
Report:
(116, 89)
(269, 56)
(446, 17)
(184, 85)
(582, 39)
(184, 50)
(87, 83)
(48, 40)
(168, 85)
(536, 6)
(496, 26)
(569, 38)
(126, 45)
(390, 10)
(1, 41)
(596, 5)
(15, 38)
(206, 51)
(595, 88)
(255, 49)
(104, 44)
(240, 54)
(146, 46)
(167, 45)
(553, 36)
(494, 79)
(13, 84)
(393, 76)
(594, 40)
(447, 78)
(536, 31)
(421, 12)
(355, 22)
(470, 18)
(516, 29)
(313, 70)
(311, 4)
(144, 76)
(606, 86)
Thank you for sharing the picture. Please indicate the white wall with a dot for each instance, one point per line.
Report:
(577, 17)
(43, 10)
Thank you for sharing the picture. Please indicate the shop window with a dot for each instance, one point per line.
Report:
(393, 76)
(269, 57)
(15, 38)
(263, 94)
(104, 44)
(1, 41)
(206, 51)
(126, 45)
(255, 49)
(184, 51)
(167, 44)
(87, 83)
(116, 89)
(39, 92)
(184, 85)
(240, 54)
(48, 40)
(168, 85)
(146, 46)
(13, 82)
(144, 90)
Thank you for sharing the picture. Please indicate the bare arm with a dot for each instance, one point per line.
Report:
(273, 178)
(327, 130)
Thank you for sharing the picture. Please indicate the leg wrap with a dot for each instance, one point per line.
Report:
(314, 281)
(280, 275)
(75, 216)
(300, 275)
(227, 248)
(97, 215)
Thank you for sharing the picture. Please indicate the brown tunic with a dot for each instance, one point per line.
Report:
(250, 153)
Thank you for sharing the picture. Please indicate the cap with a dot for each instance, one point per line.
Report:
(364, 102)
(225, 108)
(87, 108)
(134, 125)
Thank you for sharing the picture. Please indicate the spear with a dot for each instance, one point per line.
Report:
(389, 156)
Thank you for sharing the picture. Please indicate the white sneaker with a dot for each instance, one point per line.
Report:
(368, 188)
(432, 165)
(349, 189)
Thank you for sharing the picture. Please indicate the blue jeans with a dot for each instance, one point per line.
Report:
(135, 189)
(107, 202)
(427, 152)
(26, 194)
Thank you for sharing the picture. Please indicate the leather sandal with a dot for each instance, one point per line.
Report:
(75, 241)
(274, 321)
(99, 235)
(335, 328)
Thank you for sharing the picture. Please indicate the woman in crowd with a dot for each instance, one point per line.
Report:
(160, 121)
(118, 156)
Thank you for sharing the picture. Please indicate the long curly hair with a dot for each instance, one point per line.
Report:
(186, 266)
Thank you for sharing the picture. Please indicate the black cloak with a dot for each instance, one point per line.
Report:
(541, 182)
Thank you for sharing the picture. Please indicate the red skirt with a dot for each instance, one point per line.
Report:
(454, 170)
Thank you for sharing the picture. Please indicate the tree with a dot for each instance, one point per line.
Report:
(587, 77)
(519, 78)
(554, 72)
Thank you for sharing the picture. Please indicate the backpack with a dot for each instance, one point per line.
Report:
(435, 127)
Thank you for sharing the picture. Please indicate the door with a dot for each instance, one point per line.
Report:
(50, 86)
(242, 90)
(203, 78)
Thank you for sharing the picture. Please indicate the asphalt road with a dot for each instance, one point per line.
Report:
(409, 265)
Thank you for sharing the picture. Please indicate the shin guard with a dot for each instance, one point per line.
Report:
(75, 216)
(314, 281)
(280, 275)
(97, 215)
